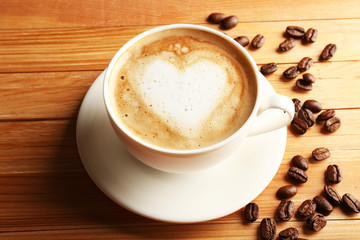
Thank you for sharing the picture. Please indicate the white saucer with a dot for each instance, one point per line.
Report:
(182, 198)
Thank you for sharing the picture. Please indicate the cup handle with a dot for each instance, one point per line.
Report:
(275, 121)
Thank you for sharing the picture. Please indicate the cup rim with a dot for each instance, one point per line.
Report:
(208, 148)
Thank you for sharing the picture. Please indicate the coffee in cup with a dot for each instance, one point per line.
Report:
(183, 97)
(182, 89)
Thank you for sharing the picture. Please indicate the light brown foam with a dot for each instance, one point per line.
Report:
(182, 48)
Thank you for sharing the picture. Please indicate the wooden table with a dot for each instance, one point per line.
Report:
(50, 53)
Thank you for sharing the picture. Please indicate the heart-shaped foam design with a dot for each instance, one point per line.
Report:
(183, 98)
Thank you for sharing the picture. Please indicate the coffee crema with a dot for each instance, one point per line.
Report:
(182, 89)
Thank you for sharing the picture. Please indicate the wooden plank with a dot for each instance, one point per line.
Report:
(39, 146)
(333, 79)
(93, 48)
(59, 94)
(43, 95)
(50, 146)
(45, 201)
(57, 201)
(59, 13)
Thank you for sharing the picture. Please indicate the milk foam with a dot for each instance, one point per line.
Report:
(183, 98)
(181, 92)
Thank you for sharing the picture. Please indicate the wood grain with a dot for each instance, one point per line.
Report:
(335, 230)
(51, 52)
(44, 201)
(93, 48)
(58, 95)
(60, 13)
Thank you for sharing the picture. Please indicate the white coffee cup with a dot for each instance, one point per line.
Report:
(190, 160)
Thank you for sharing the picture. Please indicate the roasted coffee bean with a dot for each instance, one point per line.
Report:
(312, 105)
(216, 18)
(328, 52)
(297, 104)
(299, 126)
(334, 174)
(286, 210)
(325, 115)
(299, 162)
(305, 64)
(351, 202)
(289, 234)
(332, 124)
(287, 191)
(321, 153)
(309, 78)
(306, 115)
(307, 208)
(311, 35)
(316, 222)
(242, 40)
(268, 68)
(252, 212)
(287, 45)
(258, 41)
(298, 175)
(229, 22)
(300, 83)
(332, 195)
(295, 31)
(323, 205)
(291, 73)
(268, 229)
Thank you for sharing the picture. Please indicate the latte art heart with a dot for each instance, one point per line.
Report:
(183, 98)
(181, 89)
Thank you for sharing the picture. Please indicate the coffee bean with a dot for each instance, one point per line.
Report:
(299, 126)
(325, 115)
(295, 31)
(307, 208)
(332, 195)
(298, 175)
(306, 115)
(286, 210)
(305, 64)
(332, 124)
(287, 45)
(316, 222)
(297, 104)
(328, 52)
(301, 239)
(311, 35)
(312, 105)
(243, 40)
(300, 83)
(229, 22)
(252, 212)
(287, 191)
(323, 205)
(268, 68)
(289, 234)
(299, 162)
(334, 174)
(321, 153)
(291, 73)
(268, 229)
(351, 203)
(309, 78)
(216, 18)
(258, 41)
